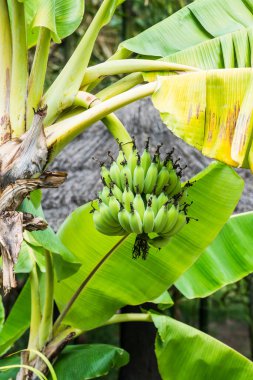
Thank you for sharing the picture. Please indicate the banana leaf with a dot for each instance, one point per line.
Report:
(17, 321)
(228, 259)
(61, 17)
(207, 34)
(212, 111)
(185, 353)
(112, 279)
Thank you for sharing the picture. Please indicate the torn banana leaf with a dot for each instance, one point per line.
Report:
(212, 111)
(205, 33)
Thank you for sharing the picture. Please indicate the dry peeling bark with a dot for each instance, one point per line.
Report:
(22, 162)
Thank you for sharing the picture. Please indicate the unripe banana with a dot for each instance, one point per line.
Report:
(106, 215)
(123, 217)
(138, 178)
(148, 220)
(116, 192)
(172, 219)
(162, 180)
(180, 223)
(120, 159)
(104, 195)
(162, 199)
(115, 173)
(135, 221)
(126, 177)
(103, 227)
(172, 181)
(176, 189)
(150, 179)
(155, 206)
(105, 175)
(161, 219)
(146, 160)
(139, 205)
(132, 159)
(127, 198)
(114, 207)
(159, 241)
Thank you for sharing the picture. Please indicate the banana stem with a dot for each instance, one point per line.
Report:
(129, 66)
(129, 317)
(35, 311)
(38, 73)
(19, 74)
(62, 92)
(47, 314)
(5, 72)
(113, 124)
(120, 86)
(60, 134)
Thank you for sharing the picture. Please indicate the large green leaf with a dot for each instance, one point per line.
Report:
(211, 110)
(228, 259)
(90, 361)
(65, 262)
(185, 353)
(61, 17)
(207, 34)
(113, 279)
(17, 321)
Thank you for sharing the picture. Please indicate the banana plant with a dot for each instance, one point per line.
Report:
(87, 268)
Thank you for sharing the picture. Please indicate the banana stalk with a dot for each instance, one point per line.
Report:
(129, 66)
(60, 134)
(64, 89)
(19, 74)
(38, 74)
(5, 72)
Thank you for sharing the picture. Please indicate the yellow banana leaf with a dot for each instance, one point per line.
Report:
(212, 111)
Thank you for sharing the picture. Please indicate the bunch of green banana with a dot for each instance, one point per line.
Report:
(142, 195)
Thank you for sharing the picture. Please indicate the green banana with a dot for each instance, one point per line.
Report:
(114, 207)
(161, 219)
(162, 180)
(123, 217)
(106, 215)
(115, 173)
(150, 179)
(116, 192)
(172, 219)
(159, 241)
(135, 221)
(132, 159)
(161, 200)
(138, 178)
(105, 175)
(155, 207)
(139, 204)
(127, 198)
(102, 226)
(126, 177)
(146, 159)
(180, 223)
(121, 158)
(172, 181)
(176, 189)
(104, 195)
(148, 220)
